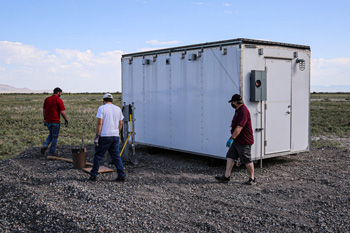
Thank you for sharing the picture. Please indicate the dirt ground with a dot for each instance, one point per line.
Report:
(176, 192)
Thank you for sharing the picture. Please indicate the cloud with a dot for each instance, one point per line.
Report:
(227, 4)
(327, 72)
(84, 71)
(73, 70)
(149, 49)
(15, 52)
(157, 42)
(68, 54)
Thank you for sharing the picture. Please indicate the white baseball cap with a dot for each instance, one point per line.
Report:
(108, 96)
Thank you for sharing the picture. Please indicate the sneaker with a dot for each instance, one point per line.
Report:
(93, 178)
(222, 178)
(43, 149)
(120, 179)
(250, 182)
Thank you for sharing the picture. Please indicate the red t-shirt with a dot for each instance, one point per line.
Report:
(242, 118)
(53, 106)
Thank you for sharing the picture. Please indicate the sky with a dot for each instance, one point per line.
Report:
(77, 44)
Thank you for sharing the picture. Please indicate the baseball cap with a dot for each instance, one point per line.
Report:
(56, 90)
(235, 98)
(108, 96)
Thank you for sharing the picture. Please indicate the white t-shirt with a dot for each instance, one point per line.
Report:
(110, 115)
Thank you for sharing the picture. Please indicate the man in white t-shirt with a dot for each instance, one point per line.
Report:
(109, 124)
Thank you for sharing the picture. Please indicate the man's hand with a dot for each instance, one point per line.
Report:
(66, 123)
(96, 139)
(229, 142)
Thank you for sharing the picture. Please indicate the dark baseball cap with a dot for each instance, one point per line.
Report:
(56, 90)
(235, 98)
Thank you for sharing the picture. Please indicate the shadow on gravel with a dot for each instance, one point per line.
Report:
(211, 162)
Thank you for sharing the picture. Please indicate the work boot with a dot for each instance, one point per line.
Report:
(222, 178)
(250, 182)
(54, 154)
(43, 149)
(93, 178)
(120, 179)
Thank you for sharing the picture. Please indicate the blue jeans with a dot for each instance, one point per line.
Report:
(112, 145)
(54, 129)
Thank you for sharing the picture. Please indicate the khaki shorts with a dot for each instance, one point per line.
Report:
(243, 152)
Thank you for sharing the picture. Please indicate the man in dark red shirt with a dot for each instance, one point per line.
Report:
(240, 142)
(52, 110)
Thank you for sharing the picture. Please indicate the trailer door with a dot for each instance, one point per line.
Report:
(278, 106)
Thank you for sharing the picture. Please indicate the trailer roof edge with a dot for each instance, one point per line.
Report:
(215, 44)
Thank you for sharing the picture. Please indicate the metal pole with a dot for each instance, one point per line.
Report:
(261, 133)
(133, 131)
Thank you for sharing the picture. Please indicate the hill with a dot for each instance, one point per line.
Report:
(332, 88)
(4, 88)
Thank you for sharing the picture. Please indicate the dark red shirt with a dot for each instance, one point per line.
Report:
(242, 118)
(53, 106)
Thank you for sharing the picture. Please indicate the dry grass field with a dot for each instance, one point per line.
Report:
(330, 120)
(22, 126)
(22, 120)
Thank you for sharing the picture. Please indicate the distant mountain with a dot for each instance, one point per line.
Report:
(333, 88)
(10, 89)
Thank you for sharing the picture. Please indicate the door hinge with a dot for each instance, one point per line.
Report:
(265, 143)
(259, 129)
(266, 69)
(265, 106)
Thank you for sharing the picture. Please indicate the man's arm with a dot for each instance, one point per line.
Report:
(98, 131)
(237, 131)
(64, 115)
(99, 126)
(44, 111)
(120, 126)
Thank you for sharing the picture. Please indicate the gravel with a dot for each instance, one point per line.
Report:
(176, 192)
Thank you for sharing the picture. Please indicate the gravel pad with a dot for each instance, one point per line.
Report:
(176, 192)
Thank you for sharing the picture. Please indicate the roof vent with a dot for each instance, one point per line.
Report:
(192, 57)
(145, 62)
(224, 51)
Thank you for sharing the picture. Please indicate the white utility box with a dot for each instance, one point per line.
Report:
(181, 95)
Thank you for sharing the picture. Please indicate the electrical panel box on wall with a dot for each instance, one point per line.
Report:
(258, 85)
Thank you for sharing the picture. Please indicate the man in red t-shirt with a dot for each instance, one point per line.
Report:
(240, 142)
(52, 110)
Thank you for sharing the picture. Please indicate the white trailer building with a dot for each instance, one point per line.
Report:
(181, 95)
